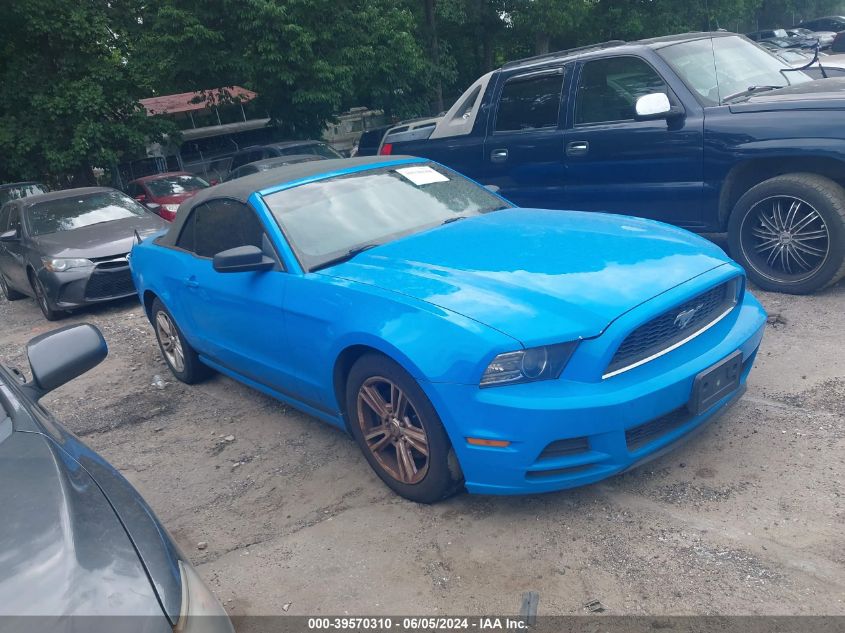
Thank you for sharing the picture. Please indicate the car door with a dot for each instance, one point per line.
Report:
(5, 259)
(14, 253)
(616, 163)
(523, 150)
(236, 319)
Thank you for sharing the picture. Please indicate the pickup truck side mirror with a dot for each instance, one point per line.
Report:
(655, 106)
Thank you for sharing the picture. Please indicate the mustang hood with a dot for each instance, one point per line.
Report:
(534, 273)
(99, 240)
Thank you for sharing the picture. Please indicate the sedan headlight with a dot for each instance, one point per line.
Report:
(528, 365)
(61, 264)
(201, 611)
(173, 208)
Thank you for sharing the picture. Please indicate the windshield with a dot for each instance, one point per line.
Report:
(20, 191)
(68, 214)
(325, 220)
(723, 66)
(320, 149)
(175, 185)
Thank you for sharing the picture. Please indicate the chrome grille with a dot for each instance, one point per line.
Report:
(673, 326)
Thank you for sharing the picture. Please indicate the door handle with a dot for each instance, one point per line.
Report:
(499, 155)
(577, 148)
(192, 282)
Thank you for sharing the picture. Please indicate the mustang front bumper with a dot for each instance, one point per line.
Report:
(574, 431)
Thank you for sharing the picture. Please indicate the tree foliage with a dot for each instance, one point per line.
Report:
(72, 72)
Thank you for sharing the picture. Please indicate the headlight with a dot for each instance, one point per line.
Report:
(200, 611)
(61, 264)
(173, 208)
(528, 365)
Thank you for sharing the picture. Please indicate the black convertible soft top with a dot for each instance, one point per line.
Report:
(241, 189)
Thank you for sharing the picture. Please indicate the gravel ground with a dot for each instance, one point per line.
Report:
(746, 518)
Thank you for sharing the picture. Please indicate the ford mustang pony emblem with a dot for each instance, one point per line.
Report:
(684, 318)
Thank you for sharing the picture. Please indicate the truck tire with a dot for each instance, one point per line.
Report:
(788, 233)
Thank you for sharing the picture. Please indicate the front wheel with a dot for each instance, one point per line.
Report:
(43, 302)
(399, 431)
(788, 233)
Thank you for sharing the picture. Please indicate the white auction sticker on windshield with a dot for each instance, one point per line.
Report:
(422, 175)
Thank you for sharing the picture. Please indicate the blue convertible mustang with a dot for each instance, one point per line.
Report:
(460, 340)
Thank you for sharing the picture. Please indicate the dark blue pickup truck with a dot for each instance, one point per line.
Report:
(706, 131)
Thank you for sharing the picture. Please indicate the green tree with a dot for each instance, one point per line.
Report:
(307, 59)
(69, 98)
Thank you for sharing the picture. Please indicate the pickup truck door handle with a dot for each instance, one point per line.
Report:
(499, 155)
(192, 282)
(577, 148)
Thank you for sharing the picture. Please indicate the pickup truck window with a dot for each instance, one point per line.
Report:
(608, 89)
(530, 102)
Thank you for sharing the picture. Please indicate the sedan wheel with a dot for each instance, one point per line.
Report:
(392, 430)
(42, 301)
(11, 295)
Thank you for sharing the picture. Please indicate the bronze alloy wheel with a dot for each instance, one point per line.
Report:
(392, 430)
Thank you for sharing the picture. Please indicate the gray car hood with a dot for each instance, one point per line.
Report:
(99, 240)
(63, 550)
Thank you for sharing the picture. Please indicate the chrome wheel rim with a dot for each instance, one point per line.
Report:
(392, 430)
(785, 239)
(171, 344)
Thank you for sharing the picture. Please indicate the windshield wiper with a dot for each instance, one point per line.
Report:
(343, 258)
(751, 90)
(454, 219)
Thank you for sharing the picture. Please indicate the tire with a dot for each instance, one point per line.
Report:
(788, 233)
(431, 478)
(180, 357)
(9, 293)
(43, 301)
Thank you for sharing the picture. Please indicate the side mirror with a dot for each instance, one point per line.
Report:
(655, 106)
(243, 259)
(10, 236)
(60, 356)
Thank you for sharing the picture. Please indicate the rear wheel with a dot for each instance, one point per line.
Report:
(9, 293)
(43, 301)
(789, 233)
(182, 359)
(399, 431)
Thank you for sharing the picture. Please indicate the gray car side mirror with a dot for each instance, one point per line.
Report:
(60, 356)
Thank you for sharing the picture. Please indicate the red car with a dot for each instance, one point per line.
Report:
(163, 193)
